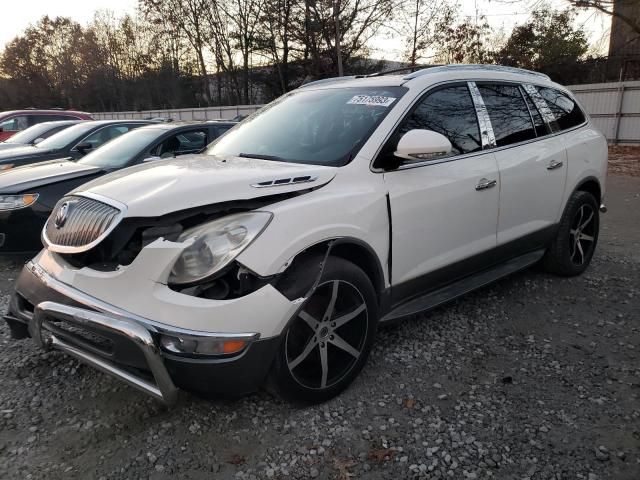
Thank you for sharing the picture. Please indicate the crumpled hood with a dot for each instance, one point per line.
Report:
(35, 175)
(164, 186)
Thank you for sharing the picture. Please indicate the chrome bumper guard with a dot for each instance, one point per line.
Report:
(40, 329)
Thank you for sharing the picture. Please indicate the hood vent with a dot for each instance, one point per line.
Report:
(284, 181)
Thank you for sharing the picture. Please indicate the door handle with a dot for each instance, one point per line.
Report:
(483, 184)
(554, 164)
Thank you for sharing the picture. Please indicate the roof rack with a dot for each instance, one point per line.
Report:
(396, 70)
(325, 81)
(492, 68)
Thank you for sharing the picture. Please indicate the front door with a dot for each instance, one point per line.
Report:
(443, 210)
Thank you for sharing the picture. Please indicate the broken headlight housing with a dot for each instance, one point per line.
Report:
(215, 245)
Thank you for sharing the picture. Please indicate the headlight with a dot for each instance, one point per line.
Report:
(13, 202)
(216, 244)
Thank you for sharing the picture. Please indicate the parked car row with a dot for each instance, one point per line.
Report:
(272, 256)
(18, 120)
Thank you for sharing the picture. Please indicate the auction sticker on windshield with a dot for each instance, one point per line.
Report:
(371, 100)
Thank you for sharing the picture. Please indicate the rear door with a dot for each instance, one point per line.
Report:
(443, 210)
(532, 165)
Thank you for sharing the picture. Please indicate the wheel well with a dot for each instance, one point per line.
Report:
(592, 186)
(363, 258)
(354, 251)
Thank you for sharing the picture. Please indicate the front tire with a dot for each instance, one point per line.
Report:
(572, 249)
(326, 345)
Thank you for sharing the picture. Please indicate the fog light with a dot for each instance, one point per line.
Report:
(201, 345)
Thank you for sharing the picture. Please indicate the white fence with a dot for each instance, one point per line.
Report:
(207, 113)
(614, 108)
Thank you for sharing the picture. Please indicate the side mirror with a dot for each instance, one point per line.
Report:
(418, 145)
(84, 147)
(151, 159)
(37, 140)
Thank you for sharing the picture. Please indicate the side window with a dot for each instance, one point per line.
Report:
(449, 111)
(538, 122)
(15, 124)
(192, 141)
(181, 143)
(564, 109)
(510, 117)
(220, 130)
(102, 136)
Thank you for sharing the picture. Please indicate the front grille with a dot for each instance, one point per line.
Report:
(78, 223)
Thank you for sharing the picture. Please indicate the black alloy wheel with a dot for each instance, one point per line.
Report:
(326, 344)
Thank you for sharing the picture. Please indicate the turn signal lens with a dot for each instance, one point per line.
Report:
(233, 346)
(6, 166)
(201, 345)
(14, 202)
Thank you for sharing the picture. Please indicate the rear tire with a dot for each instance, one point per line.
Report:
(326, 345)
(571, 250)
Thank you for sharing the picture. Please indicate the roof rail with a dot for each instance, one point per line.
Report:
(491, 68)
(396, 70)
(325, 81)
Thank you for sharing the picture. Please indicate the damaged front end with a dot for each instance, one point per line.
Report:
(124, 307)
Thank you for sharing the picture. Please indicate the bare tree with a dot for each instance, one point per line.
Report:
(422, 24)
(607, 7)
(188, 16)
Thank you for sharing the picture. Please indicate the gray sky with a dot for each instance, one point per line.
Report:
(16, 15)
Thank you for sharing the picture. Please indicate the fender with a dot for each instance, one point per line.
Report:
(353, 249)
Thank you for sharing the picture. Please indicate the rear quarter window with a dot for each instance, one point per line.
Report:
(565, 110)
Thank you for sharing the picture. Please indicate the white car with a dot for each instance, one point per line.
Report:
(272, 258)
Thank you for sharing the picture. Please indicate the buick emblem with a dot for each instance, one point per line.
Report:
(61, 216)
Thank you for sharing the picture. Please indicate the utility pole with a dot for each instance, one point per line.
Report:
(336, 18)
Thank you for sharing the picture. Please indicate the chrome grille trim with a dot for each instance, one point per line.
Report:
(91, 218)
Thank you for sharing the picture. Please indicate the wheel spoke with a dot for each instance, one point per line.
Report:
(324, 362)
(339, 342)
(586, 237)
(332, 303)
(586, 222)
(312, 322)
(579, 245)
(311, 344)
(340, 321)
(580, 218)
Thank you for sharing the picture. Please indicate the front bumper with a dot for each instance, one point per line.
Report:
(126, 346)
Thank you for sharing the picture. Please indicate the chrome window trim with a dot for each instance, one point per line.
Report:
(484, 121)
(99, 198)
(541, 104)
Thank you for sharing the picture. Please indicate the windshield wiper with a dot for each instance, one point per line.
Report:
(262, 157)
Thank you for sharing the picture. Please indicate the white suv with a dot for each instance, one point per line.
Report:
(271, 258)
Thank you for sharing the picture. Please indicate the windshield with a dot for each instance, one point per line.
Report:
(320, 127)
(65, 137)
(121, 151)
(27, 136)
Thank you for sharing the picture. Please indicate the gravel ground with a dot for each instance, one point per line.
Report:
(624, 160)
(535, 377)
